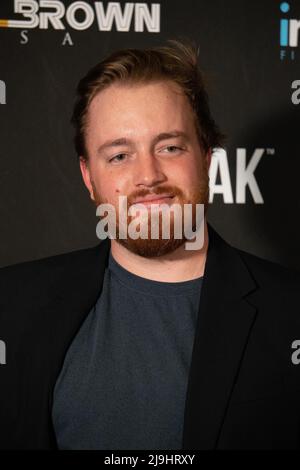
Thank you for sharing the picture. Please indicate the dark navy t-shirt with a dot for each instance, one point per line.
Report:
(124, 379)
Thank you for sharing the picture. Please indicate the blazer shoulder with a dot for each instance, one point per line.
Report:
(269, 273)
(40, 269)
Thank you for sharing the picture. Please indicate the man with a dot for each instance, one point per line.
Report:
(139, 343)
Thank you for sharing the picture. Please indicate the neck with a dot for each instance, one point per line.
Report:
(178, 266)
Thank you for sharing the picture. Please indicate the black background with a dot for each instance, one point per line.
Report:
(44, 206)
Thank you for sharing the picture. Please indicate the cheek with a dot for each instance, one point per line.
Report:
(185, 176)
(116, 194)
(113, 193)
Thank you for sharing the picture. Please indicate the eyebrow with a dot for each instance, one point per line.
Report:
(126, 141)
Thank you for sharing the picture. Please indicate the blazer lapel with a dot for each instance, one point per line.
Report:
(224, 323)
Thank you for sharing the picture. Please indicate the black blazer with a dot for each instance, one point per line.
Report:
(243, 388)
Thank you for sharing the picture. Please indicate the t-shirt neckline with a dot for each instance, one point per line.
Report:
(150, 286)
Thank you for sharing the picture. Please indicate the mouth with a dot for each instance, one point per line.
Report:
(155, 199)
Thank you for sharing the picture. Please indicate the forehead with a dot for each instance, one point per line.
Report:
(139, 109)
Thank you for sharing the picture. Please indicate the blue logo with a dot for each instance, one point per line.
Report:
(289, 28)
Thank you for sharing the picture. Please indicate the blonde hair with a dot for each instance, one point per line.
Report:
(177, 61)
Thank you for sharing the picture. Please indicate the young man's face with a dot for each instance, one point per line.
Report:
(144, 162)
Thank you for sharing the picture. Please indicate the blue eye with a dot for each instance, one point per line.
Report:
(115, 158)
(173, 147)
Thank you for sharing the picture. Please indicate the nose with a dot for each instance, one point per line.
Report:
(148, 171)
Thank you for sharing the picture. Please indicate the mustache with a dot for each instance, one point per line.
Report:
(157, 191)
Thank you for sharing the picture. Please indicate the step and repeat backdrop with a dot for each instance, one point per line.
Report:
(250, 54)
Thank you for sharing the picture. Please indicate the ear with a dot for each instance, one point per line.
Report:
(85, 172)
